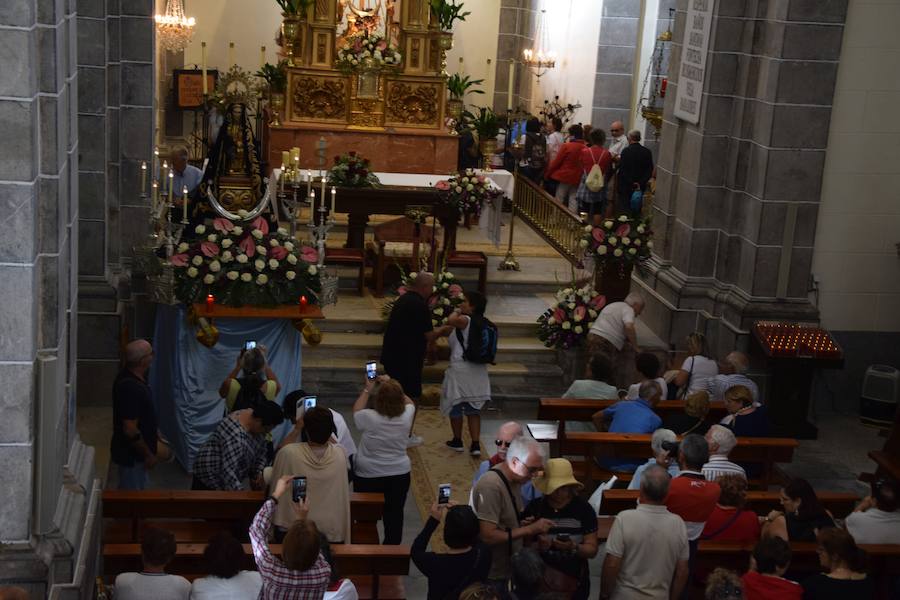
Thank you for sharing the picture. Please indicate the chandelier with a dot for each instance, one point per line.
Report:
(540, 58)
(174, 29)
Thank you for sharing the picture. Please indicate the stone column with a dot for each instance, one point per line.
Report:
(616, 55)
(737, 194)
(518, 20)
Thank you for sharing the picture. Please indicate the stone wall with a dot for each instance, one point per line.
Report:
(616, 54)
(518, 20)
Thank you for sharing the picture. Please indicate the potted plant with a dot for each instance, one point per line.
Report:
(293, 13)
(458, 86)
(444, 13)
(487, 126)
(616, 245)
(275, 77)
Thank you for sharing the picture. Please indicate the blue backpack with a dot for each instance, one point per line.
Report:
(483, 334)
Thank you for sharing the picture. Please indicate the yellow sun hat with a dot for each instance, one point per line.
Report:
(557, 473)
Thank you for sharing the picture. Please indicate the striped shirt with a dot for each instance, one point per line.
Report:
(719, 465)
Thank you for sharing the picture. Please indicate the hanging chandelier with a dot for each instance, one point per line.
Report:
(173, 28)
(540, 58)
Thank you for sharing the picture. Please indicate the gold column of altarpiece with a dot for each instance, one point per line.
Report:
(411, 96)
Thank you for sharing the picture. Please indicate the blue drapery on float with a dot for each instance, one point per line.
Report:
(186, 375)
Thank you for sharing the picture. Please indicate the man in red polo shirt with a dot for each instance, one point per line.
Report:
(691, 496)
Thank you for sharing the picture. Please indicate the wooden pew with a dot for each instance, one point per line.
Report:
(193, 516)
(636, 446)
(840, 504)
(372, 567)
(574, 409)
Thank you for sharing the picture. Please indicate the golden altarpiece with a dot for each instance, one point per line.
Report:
(393, 114)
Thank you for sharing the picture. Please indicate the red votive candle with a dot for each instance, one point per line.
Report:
(303, 303)
(210, 300)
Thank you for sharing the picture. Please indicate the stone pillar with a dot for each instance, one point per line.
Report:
(737, 194)
(518, 21)
(616, 55)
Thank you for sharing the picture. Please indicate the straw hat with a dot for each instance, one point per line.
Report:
(557, 474)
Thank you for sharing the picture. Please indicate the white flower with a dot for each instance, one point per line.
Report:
(617, 252)
(182, 247)
(578, 318)
(242, 213)
(227, 256)
(289, 246)
(215, 266)
(259, 264)
(232, 275)
(566, 325)
(242, 258)
(238, 230)
(282, 231)
(208, 279)
(583, 243)
(465, 180)
(246, 277)
(637, 241)
(273, 242)
(212, 237)
(571, 305)
(413, 275)
(592, 313)
(640, 229)
(192, 272)
(601, 250)
(261, 279)
(257, 233)
(623, 218)
(355, 62)
(470, 187)
(446, 301)
(626, 240)
(608, 224)
(226, 243)
(448, 275)
(650, 244)
(612, 240)
(197, 261)
(445, 285)
(632, 251)
(458, 190)
(200, 229)
(579, 329)
(290, 275)
(567, 291)
(588, 228)
(438, 311)
(551, 321)
(273, 264)
(292, 259)
(262, 250)
(312, 270)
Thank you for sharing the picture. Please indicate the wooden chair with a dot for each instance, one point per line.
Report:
(403, 241)
(459, 259)
(349, 257)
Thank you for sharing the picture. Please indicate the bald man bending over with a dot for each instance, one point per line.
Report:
(134, 440)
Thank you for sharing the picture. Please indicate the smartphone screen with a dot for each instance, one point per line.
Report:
(249, 345)
(310, 402)
(298, 488)
(304, 404)
(444, 493)
(371, 370)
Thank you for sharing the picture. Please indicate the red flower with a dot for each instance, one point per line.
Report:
(261, 224)
(248, 246)
(179, 260)
(559, 315)
(455, 290)
(309, 255)
(623, 230)
(598, 234)
(352, 153)
(223, 225)
(401, 290)
(598, 302)
(278, 252)
(580, 312)
(209, 249)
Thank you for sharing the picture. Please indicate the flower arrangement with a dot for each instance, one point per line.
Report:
(624, 238)
(466, 192)
(351, 170)
(245, 265)
(565, 324)
(446, 295)
(367, 47)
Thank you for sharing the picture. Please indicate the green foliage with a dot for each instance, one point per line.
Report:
(486, 123)
(460, 85)
(275, 76)
(446, 12)
(295, 8)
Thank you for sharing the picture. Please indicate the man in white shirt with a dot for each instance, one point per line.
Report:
(721, 442)
(732, 372)
(610, 332)
(157, 550)
(617, 139)
(877, 518)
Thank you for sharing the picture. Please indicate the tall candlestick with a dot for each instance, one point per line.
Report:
(184, 203)
(203, 67)
(143, 177)
(171, 186)
(283, 172)
(308, 182)
(165, 176)
(333, 194)
(322, 196)
(230, 54)
(512, 77)
(312, 207)
(262, 57)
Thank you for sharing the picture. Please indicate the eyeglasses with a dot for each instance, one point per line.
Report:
(502, 444)
(533, 470)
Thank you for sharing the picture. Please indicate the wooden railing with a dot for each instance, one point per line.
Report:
(556, 224)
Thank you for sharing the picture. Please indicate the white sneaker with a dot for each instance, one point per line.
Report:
(414, 440)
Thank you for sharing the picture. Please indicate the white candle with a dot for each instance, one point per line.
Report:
(184, 203)
(308, 182)
(333, 194)
(282, 177)
(165, 175)
(312, 207)
(143, 177)
(262, 57)
(512, 77)
(230, 54)
(203, 67)
(323, 188)
(156, 161)
(171, 179)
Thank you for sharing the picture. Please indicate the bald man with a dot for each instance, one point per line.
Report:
(617, 139)
(134, 440)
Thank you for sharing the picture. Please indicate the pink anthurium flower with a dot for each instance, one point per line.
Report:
(309, 255)
(623, 230)
(261, 224)
(598, 302)
(455, 290)
(598, 234)
(580, 312)
(278, 252)
(248, 246)
(223, 225)
(209, 249)
(179, 260)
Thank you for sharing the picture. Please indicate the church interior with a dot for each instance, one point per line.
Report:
(707, 187)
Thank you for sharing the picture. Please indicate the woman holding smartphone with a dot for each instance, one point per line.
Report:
(381, 464)
(255, 374)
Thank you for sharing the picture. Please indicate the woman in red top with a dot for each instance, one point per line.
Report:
(595, 154)
(728, 521)
(764, 580)
(566, 168)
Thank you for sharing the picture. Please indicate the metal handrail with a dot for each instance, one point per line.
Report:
(556, 224)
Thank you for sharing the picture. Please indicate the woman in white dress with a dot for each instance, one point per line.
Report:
(466, 385)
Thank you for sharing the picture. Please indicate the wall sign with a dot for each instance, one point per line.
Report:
(692, 70)
(189, 87)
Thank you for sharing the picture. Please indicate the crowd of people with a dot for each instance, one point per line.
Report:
(527, 531)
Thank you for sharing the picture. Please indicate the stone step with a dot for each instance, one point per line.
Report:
(509, 327)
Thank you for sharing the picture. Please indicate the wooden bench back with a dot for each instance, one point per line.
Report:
(574, 409)
(840, 504)
(403, 230)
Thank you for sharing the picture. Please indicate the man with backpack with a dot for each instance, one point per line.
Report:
(534, 161)
(466, 387)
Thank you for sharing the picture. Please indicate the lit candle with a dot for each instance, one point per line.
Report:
(165, 175)
(184, 203)
(308, 182)
(323, 188)
(143, 177)
(203, 67)
(262, 56)
(295, 155)
(333, 194)
(282, 177)
(210, 300)
(171, 179)
(512, 77)
(312, 207)
(230, 54)
(303, 303)
(155, 196)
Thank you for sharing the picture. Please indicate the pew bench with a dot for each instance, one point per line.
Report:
(193, 516)
(376, 570)
(575, 409)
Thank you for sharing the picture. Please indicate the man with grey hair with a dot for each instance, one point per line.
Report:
(721, 442)
(614, 335)
(409, 329)
(647, 550)
(133, 447)
(656, 441)
(732, 372)
(617, 139)
(505, 435)
(635, 170)
(184, 174)
(497, 501)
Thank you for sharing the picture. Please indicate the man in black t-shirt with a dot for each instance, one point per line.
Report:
(408, 331)
(134, 439)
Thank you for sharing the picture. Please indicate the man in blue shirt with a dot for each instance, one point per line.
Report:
(184, 174)
(630, 416)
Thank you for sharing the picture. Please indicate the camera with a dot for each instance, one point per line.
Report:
(671, 448)
(249, 345)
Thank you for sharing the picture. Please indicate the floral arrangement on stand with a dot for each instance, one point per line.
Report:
(566, 324)
(352, 170)
(241, 265)
(466, 192)
(366, 49)
(446, 295)
(624, 240)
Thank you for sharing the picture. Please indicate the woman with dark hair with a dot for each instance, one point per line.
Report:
(566, 168)
(254, 374)
(729, 522)
(339, 588)
(466, 561)
(382, 465)
(744, 418)
(647, 365)
(590, 201)
(803, 516)
(466, 386)
(224, 556)
(846, 566)
(765, 580)
(534, 161)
